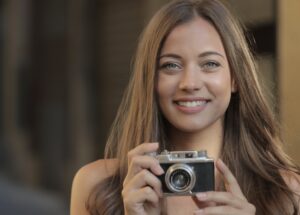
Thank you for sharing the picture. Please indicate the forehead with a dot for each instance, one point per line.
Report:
(194, 35)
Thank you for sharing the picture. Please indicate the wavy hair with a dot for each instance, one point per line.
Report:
(251, 145)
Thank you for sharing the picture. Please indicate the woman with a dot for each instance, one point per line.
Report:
(193, 87)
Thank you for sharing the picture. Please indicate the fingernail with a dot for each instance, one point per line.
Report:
(153, 144)
(201, 196)
(159, 170)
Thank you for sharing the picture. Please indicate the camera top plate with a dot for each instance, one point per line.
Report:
(183, 156)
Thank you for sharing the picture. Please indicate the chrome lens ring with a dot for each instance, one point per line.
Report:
(187, 171)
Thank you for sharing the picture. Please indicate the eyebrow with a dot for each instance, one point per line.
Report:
(204, 54)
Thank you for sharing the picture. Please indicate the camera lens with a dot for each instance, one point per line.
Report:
(180, 178)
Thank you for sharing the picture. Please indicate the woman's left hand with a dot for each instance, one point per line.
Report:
(230, 202)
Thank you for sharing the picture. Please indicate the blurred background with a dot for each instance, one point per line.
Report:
(64, 67)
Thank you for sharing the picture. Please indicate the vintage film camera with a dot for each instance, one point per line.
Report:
(186, 172)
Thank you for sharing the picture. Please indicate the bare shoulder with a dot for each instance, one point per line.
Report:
(93, 173)
(86, 178)
(292, 180)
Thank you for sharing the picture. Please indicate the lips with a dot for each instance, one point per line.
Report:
(191, 105)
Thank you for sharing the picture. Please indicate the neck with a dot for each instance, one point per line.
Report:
(208, 139)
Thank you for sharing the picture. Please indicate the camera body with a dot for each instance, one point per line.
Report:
(186, 172)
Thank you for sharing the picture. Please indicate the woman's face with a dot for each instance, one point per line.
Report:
(194, 83)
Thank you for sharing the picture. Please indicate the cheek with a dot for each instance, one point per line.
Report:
(221, 85)
(165, 86)
(220, 88)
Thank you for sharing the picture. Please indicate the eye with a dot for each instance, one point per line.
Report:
(170, 66)
(210, 65)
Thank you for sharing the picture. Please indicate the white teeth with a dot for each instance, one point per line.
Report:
(192, 103)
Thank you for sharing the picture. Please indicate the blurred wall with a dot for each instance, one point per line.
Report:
(65, 65)
(289, 73)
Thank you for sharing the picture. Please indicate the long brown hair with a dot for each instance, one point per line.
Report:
(251, 145)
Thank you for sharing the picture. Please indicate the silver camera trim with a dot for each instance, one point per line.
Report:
(180, 166)
(181, 157)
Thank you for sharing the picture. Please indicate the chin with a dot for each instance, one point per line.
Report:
(196, 127)
(192, 128)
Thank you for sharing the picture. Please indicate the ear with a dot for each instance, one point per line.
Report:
(233, 86)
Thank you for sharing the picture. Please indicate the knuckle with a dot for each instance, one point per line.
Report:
(252, 208)
(126, 201)
(156, 200)
(230, 210)
(144, 173)
(158, 183)
(209, 194)
(206, 210)
(230, 197)
(124, 196)
(130, 154)
(134, 160)
(148, 190)
(155, 162)
(127, 198)
(125, 182)
(123, 193)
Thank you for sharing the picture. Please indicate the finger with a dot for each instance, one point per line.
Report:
(219, 210)
(141, 162)
(142, 179)
(222, 198)
(202, 204)
(142, 150)
(142, 195)
(230, 181)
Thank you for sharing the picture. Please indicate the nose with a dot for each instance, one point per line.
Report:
(190, 80)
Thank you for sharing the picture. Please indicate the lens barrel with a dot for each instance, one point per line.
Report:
(180, 178)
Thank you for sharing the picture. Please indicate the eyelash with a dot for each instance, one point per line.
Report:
(169, 66)
(210, 65)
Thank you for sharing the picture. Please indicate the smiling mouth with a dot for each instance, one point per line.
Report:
(191, 103)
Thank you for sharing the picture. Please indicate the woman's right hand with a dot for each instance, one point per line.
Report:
(141, 188)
